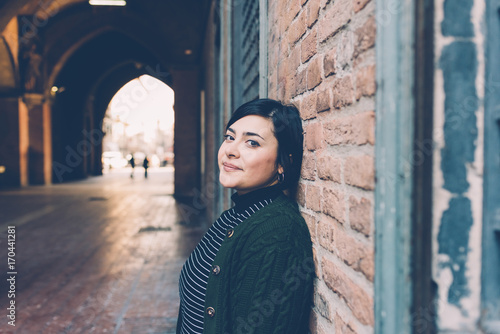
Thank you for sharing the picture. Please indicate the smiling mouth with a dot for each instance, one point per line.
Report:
(230, 168)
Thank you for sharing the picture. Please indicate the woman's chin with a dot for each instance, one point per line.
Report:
(226, 181)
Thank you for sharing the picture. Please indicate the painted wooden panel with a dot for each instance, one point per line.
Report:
(245, 45)
(491, 218)
(393, 149)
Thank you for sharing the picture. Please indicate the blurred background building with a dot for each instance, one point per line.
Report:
(400, 102)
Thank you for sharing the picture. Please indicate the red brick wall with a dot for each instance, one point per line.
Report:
(322, 59)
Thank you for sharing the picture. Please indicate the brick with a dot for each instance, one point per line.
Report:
(358, 129)
(342, 327)
(352, 252)
(292, 63)
(322, 330)
(316, 262)
(359, 171)
(308, 46)
(297, 28)
(313, 198)
(313, 8)
(329, 168)
(300, 84)
(322, 306)
(330, 62)
(367, 265)
(314, 103)
(333, 204)
(311, 224)
(364, 58)
(365, 82)
(308, 171)
(308, 107)
(314, 136)
(288, 11)
(360, 303)
(359, 4)
(273, 84)
(282, 70)
(284, 46)
(293, 8)
(301, 194)
(290, 87)
(273, 50)
(323, 100)
(345, 49)
(359, 214)
(326, 233)
(314, 72)
(343, 92)
(315, 325)
(336, 16)
(273, 92)
(313, 322)
(365, 36)
(293, 60)
(280, 96)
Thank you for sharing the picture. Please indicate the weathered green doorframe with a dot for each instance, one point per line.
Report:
(490, 276)
(404, 291)
(395, 110)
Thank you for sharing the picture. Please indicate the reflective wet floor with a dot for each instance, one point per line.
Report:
(97, 256)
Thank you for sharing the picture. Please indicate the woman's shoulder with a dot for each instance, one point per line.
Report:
(282, 217)
(285, 208)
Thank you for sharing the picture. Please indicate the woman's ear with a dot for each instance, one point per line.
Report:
(280, 169)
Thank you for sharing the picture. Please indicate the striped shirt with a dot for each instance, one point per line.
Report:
(195, 272)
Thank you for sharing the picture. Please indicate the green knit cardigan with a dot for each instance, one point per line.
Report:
(262, 276)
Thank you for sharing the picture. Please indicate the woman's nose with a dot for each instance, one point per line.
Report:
(232, 149)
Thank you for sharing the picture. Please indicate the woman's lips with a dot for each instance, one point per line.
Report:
(230, 168)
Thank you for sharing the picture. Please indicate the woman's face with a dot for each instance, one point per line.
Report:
(247, 157)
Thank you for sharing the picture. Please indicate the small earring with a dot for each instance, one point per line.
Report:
(281, 177)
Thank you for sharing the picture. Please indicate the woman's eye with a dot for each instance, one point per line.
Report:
(253, 143)
(228, 137)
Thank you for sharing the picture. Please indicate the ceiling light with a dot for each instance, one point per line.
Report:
(107, 2)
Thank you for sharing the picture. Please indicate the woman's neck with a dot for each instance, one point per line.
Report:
(243, 201)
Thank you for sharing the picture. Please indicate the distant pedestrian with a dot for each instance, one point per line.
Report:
(132, 164)
(145, 164)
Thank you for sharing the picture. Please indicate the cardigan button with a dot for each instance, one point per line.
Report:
(215, 270)
(211, 312)
(230, 233)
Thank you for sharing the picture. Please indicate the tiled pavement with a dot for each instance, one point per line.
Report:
(97, 256)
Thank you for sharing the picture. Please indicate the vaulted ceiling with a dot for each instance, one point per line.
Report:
(168, 33)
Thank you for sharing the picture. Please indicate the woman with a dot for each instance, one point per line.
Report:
(253, 270)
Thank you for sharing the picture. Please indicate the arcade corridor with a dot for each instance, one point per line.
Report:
(399, 104)
(98, 256)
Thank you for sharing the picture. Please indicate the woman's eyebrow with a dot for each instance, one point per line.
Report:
(252, 134)
(247, 133)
